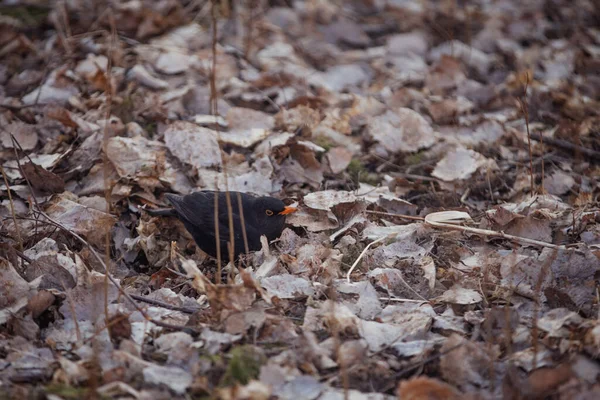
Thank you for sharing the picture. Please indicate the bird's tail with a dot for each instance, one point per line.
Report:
(162, 212)
(174, 199)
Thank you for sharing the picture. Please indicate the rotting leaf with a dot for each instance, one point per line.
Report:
(40, 302)
(119, 327)
(423, 387)
(43, 180)
(461, 164)
(466, 364)
(460, 295)
(14, 291)
(193, 145)
(401, 131)
(54, 276)
(25, 135)
(244, 365)
(226, 299)
(91, 223)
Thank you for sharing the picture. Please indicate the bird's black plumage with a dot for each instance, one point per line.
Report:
(261, 215)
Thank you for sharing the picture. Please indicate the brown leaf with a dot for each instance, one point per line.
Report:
(338, 159)
(544, 381)
(305, 156)
(225, 299)
(9, 253)
(63, 116)
(466, 364)
(13, 288)
(24, 327)
(56, 277)
(91, 223)
(240, 323)
(100, 81)
(40, 303)
(119, 327)
(425, 388)
(26, 135)
(43, 180)
(158, 279)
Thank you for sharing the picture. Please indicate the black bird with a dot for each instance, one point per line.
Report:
(262, 216)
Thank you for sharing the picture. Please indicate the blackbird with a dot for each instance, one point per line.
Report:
(261, 215)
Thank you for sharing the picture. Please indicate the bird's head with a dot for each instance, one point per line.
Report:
(270, 215)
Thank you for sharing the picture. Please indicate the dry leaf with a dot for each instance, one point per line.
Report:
(43, 180)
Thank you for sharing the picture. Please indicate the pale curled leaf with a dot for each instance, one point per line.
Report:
(199, 280)
(448, 217)
(460, 295)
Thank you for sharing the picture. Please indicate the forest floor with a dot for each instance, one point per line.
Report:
(443, 155)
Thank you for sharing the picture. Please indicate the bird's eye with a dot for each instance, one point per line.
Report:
(269, 212)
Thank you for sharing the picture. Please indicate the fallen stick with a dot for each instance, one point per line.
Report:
(566, 145)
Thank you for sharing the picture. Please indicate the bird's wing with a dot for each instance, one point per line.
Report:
(189, 207)
(238, 235)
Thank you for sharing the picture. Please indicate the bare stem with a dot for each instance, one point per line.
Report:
(12, 210)
(525, 111)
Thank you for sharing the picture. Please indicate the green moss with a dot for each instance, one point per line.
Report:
(69, 392)
(356, 168)
(124, 110)
(151, 128)
(324, 142)
(358, 172)
(243, 366)
(413, 159)
(214, 359)
(350, 255)
(30, 15)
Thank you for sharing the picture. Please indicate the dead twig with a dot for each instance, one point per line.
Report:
(242, 222)
(362, 255)
(410, 217)
(565, 145)
(105, 161)
(12, 210)
(435, 220)
(23, 257)
(10, 107)
(158, 303)
(411, 367)
(215, 111)
(399, 300)
(525, 111)
(111, 278)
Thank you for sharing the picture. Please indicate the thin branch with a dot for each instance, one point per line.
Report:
(162, 304)
(214, 107)
(243, 223)
(525, 112)
(361, 256)
(10, 107)
(23, 257)
(12, 210)
(37, 205)
(396, 299)
(110, 277)
(565, 145)
(105, 161)
(410, 217)
(215, 112)
(15, 145)
(431, 220)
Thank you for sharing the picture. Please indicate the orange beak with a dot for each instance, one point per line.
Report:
(288, 210)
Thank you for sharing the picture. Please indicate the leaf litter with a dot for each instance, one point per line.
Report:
(444, 161)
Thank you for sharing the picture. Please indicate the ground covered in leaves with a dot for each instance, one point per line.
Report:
(443, 156)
